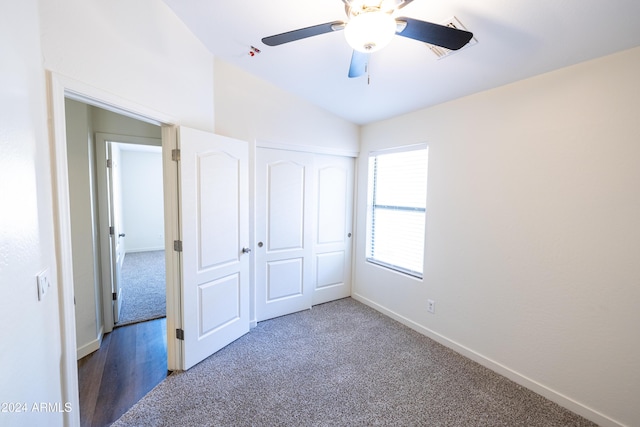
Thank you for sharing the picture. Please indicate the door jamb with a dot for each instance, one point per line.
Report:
(58, 88)
(105, 267)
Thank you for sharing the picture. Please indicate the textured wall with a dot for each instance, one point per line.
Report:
(30, 336)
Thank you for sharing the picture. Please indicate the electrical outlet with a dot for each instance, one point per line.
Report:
(43, 283)
(431, 306)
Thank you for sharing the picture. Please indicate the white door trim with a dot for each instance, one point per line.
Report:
(59, 87)
(307, 149)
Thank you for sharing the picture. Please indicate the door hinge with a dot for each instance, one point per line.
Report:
(180, 334)
(175, 154)
(114, 296)
(112, 230)
(109, 163)
(177, 245)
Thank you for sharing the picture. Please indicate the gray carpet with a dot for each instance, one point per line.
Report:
(144, 287)
(341, 364)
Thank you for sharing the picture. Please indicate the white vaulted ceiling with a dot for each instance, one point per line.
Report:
(516, 39)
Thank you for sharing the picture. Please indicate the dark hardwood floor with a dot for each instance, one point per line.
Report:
(131, 361)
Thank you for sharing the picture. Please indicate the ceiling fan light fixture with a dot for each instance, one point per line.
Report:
(370, 30)
(385, 5)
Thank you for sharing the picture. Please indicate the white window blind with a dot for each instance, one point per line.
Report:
(397, 209)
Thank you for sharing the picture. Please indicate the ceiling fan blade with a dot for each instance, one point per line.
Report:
(359, 61)
(303, 33)
(439, 35)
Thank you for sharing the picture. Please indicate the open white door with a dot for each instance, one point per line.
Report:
(116, 233)
(213, 174)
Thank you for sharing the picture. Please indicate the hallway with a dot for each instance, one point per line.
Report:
(131, 361)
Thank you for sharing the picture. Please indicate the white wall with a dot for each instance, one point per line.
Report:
(250, 109)
(142, 200)
(533, 237)
(30, 336)
(139, 51)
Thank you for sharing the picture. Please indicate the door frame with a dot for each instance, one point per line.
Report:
(105, 267)
(58, 88)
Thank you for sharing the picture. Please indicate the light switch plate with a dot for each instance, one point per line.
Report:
(43, 283)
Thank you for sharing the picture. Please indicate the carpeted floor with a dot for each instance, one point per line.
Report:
(341, 364)
(144, 287)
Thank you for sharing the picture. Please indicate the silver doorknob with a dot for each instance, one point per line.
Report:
(121, 235)
(246, 250)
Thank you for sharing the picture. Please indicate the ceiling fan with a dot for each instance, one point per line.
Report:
(371, 26)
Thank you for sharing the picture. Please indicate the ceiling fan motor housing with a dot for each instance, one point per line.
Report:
(354, 7)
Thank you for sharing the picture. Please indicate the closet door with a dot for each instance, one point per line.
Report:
(304, 211)
(334, 227)
(284, 239)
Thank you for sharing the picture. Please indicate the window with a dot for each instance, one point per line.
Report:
(397, 209)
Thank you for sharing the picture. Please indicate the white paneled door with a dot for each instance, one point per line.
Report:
(116, 233)
(333, 231)
(283, 231)
(303, 230)
(215, 238)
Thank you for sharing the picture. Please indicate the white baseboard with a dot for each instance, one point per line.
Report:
(554, 396)
(90, 347)
(150, 249)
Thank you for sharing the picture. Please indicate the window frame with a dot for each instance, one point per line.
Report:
(372, 207)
